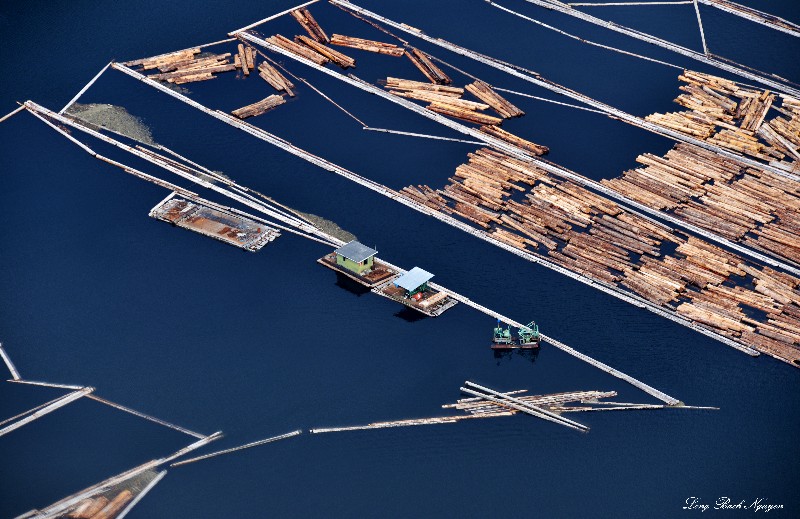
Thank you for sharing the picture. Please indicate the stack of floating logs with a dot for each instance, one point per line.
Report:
(245, 59)
(446, 100)
(259, 107)
(335, 56)
(367, 45)
(304, 18)
(100, 507)
(743, 204)
(185, 66)
(591, 235)
(300, 50)
(735, 117)
(498, 103)
(434, 74)
(276, 80)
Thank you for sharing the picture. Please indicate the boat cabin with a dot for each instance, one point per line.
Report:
(355, 257)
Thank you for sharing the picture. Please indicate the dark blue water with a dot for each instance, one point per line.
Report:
(207, 336)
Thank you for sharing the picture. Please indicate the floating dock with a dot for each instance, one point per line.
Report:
(412, 290)
(380, 272)
(234, 230)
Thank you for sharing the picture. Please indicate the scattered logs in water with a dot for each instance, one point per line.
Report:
(185, 67)
(259, 107)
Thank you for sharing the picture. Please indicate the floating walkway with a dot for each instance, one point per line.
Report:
(9, 364)
(239, 448)
(56, 404)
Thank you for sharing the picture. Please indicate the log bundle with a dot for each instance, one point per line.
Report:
(100, 507)
(300, 50)
(335, 56)
(275, 79)
(187, 66)
(427, 67)
(498, 103)
(304, 18)
(259, 107)
(747, 205)
(367, 45)
(735, 117)
(525, 207)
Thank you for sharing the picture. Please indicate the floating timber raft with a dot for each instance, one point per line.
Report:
(259, 107)
(304, 18)
(298, 49)
(220, 225)
(367, 45)
(433, 303)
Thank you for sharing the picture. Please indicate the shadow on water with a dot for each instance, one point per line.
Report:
(410, 316)
(501, 355)
(351, 286)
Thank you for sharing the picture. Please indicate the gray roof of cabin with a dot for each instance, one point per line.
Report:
(412, 279)
(355, 251)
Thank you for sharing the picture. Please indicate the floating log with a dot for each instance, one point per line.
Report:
(498, 103)
(243, 60)
(295, 48)
(259, 107)
(276, 80)
(536, 149)
(304, 18)
(427, 67)
(433, 97)
(335, 56)
(367, 45)
(394, 83)
(464, 115)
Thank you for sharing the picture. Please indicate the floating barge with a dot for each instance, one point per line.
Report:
(223, 226)
(356, 261)
(412, 290)
(528, 337)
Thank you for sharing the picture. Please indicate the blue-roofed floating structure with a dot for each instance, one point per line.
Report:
(413, 290)
(414, 281)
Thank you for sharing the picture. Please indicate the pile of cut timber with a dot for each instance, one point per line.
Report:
(300, 50)
(586, 233)
(367, 45)
(100, 507)
(335, 56)
(276, 80)
(427, 67)
(186, 66)
(245, 59)
(260, 107)
(407, 85)
(304, 18)
(498, 103)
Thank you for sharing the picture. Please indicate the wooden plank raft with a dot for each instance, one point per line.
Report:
(259, 107)
(295, 48)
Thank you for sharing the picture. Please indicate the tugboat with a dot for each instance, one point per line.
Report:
(527, 337)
